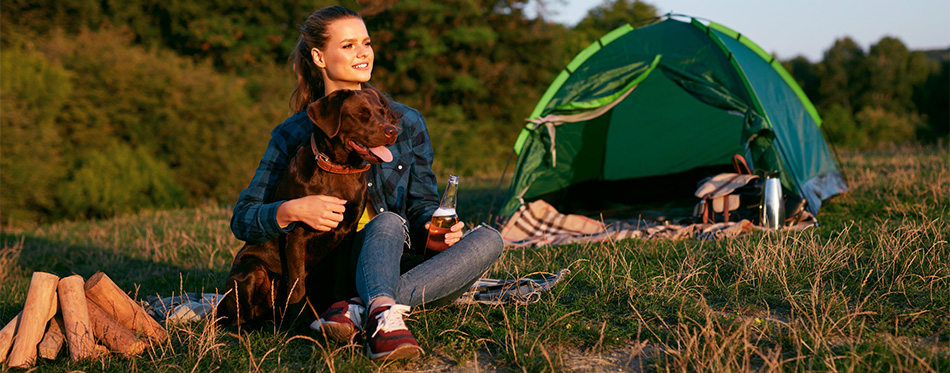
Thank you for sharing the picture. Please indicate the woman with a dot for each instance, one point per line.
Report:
(334, 52)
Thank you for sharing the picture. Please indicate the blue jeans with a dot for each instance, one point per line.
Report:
(444, 275)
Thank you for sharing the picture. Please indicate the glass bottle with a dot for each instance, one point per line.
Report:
(444, 217)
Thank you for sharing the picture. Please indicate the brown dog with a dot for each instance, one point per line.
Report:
(352, 127)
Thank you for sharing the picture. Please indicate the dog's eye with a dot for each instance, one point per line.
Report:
(363, 115)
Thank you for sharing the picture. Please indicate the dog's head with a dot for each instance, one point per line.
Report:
(358, 125)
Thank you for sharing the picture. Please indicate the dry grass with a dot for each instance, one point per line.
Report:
(868, 290)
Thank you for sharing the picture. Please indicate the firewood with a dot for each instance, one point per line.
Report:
(6, 336)
(36, 314)
(8, 331)
(112, 334)
(53, 339)
(78, 327)
(106, 294)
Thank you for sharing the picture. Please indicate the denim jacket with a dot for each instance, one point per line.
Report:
(406, 186)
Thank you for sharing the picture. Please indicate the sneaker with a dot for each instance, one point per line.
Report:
(341, 321)
(389, 338)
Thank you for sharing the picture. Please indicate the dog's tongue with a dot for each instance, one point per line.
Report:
(382, 153)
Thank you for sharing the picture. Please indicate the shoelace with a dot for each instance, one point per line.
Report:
(355, 313)
(391, 319)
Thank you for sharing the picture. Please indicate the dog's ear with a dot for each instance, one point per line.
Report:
(326, 112)
(391, 116)
(374, 93)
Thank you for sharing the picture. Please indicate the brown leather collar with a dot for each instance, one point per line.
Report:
(324, 162)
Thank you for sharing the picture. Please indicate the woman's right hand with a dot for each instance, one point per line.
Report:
(322, 213)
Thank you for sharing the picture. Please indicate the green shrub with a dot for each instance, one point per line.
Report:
(65, 96)
(885, 127)
(840, 128)
(198, 121)
(32, 92)
(118, 180)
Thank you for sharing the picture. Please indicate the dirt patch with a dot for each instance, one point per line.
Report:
(627, 358)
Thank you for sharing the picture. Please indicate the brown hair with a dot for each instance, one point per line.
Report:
(313, 34)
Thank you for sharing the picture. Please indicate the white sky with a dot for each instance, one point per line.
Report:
(788, 28)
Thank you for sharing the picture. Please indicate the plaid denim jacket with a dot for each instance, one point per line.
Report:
(406, 186)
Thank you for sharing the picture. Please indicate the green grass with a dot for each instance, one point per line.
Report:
(867, 290)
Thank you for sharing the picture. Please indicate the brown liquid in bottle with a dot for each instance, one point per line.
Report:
(444, 218)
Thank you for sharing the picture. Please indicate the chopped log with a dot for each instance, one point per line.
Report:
(6, 336)
(8, 331)
(36, 314)
(53, 339)
(106, 294)
(78, 327)
(112, 334)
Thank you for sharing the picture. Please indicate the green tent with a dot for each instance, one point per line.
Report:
(670, 98)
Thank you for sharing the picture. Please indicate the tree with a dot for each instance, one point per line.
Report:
(806, 75)
(892, 72)
(481, 59)
(608, 16)
(933, 98)
(841, 74)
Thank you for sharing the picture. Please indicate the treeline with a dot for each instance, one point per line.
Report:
(115, 106)
(887, 94)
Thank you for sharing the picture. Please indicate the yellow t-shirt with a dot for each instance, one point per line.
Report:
(368, 215)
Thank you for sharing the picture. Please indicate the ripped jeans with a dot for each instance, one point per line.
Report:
(441, 278)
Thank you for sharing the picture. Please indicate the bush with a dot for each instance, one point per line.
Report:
(198, 121)
(840, 128)
(885, 127)
(68, 96)
(118, 180)
(468, 148)
(32, 92)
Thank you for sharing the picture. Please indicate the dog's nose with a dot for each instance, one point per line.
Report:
(391, 131)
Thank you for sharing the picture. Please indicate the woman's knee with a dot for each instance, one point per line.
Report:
(387, 219)
(489, 240)
(386, 224)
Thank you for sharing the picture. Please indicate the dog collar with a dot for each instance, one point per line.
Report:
(325, 164)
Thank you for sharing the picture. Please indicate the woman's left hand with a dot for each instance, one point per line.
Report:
(454, 235)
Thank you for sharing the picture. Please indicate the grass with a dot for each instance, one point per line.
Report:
(867, 290)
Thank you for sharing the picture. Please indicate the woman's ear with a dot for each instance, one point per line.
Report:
(317, 56)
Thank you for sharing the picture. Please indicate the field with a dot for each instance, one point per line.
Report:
(867, 290)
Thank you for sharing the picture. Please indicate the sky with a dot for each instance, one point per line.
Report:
(787, 28)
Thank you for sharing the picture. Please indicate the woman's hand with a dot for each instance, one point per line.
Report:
(322, 213)
(453, 235)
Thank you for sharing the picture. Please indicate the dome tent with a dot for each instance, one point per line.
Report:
(668, 98)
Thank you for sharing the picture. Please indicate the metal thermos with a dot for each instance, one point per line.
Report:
(773, 206)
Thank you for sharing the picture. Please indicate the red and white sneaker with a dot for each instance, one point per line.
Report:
(389, 339)
(341, 321)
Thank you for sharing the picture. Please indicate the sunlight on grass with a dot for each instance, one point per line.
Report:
(868, 289)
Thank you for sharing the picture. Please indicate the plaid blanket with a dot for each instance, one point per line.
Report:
(538, 224)
(182, 308)
(524, 290)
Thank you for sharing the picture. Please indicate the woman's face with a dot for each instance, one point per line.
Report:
(347, 59)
